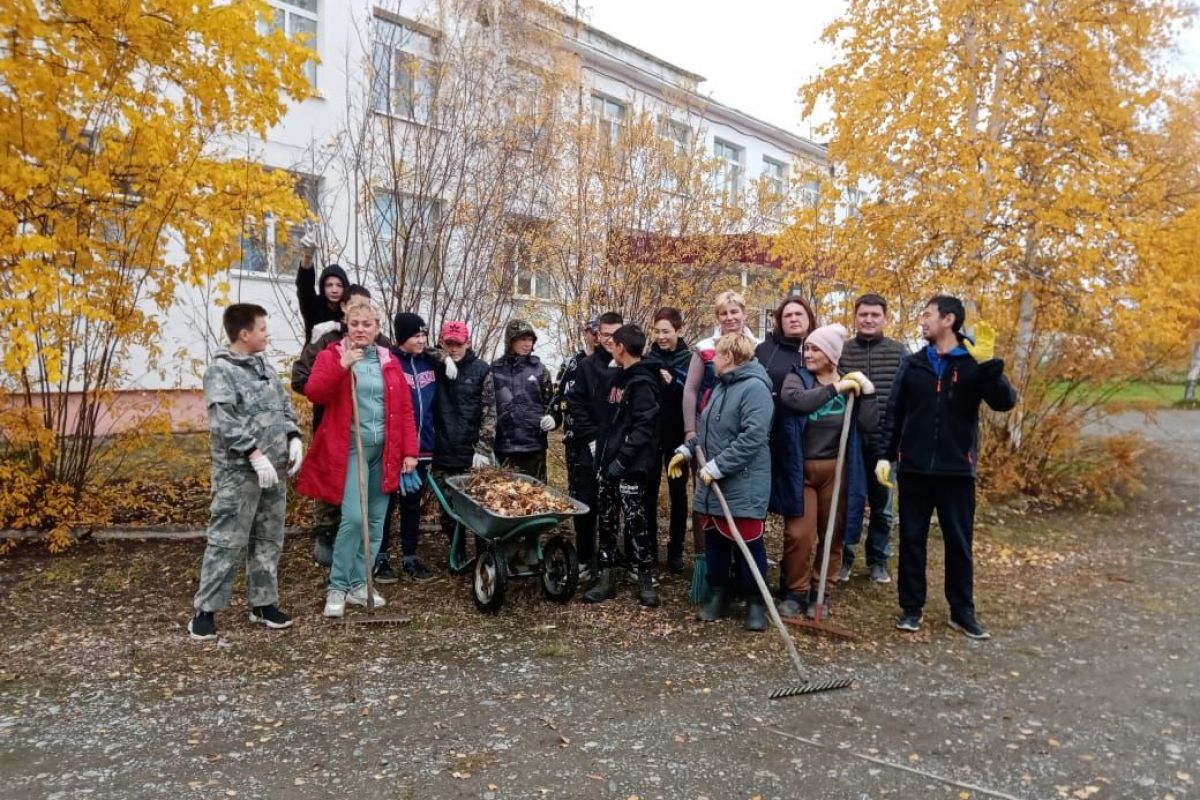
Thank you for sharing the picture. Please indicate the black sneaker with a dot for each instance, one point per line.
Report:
(910, 622)
(271, 616)
(202, 627)
(966, 625)
(416, 570)
(384, 573)
(675, 564)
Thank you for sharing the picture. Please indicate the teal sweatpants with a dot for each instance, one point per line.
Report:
(347, 570)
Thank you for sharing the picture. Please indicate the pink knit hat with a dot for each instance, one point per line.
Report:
(829, 340)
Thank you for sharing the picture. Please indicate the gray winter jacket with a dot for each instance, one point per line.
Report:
(735, 431)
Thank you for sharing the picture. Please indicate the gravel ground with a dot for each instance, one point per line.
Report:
(1088, 690)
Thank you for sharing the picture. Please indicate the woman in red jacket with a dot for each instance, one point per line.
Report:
(389, 445)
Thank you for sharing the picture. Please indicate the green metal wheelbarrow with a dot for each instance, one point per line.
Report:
(508, 547)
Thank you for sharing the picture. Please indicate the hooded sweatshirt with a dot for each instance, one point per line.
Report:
(631, 428)
(314, 308)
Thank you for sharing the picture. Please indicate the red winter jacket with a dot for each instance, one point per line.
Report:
(323, 473)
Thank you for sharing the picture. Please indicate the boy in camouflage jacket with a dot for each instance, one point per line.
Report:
(254, 437)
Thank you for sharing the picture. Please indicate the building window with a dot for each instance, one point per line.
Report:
(530, 281)
(406, 233)
(261, 248)
(677, 134)
(609, 118)
(729, 168)
(297, 18)
(811, 192)
(402, 71)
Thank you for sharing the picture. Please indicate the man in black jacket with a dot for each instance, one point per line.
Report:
(585, 403)
(931, 431)
(877, 357)
(625, 455)
(524, 390)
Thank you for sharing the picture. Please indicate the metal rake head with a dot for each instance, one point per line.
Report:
(811, 688)
(369, 620)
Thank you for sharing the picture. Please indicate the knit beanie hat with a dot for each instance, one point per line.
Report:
(829, 340)
(407, 325)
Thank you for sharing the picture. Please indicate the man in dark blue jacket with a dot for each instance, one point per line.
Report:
(420, 370)
(931, 434)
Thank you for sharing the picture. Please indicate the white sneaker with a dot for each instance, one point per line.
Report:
(335, 603)
(358, 596)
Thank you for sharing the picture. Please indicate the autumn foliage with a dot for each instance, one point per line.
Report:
(117, 185)
(1038, 159)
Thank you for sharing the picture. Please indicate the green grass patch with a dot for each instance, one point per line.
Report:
(1133, 394)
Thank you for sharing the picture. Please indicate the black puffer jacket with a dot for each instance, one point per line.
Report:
(523, 392)
(670, 412)
(932, 423)
(464, 414)
(631, 430)
(879, 359)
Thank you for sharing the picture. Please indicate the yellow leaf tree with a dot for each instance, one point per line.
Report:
(115, 190)
(1033, 157)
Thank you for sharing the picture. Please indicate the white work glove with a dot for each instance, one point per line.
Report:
(710, 473)
(547, 424)
(864, 383)
(592, 448)
(451, 369)
(267, 476)
(322, 328)
(309, 240)
(295, 455)
(479, 461)
(883, 473)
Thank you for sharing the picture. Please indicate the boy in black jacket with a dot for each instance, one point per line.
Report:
(931, 433)
(624, 457)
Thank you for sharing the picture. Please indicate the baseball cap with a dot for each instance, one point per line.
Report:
(455, 331)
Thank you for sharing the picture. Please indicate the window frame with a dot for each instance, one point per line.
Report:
(291, 10)
(413, 49)
(732, 165)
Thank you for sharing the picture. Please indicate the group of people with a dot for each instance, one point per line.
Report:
(770, 422)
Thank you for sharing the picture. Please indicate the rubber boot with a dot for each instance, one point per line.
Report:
(717, 607)
(605, 588)
(756, 617)
(323, 548)
(647, 594)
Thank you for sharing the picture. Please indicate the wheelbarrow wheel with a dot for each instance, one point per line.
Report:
(491, 577)
(560, 569)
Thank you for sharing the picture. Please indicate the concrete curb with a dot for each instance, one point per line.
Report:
(150, 533)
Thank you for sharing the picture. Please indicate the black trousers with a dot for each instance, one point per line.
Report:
(677, 490)
(531, 464)
(953, 497)
(581, 484)
(623, 498)
(409, 506)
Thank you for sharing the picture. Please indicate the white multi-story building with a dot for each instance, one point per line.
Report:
(396, 44)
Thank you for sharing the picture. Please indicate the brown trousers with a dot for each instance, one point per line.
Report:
(804, 537)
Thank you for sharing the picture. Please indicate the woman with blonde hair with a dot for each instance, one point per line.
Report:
(355, 377)
(730, 310)
(734, 433)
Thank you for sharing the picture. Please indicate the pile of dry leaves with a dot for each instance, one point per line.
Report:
(503, 493)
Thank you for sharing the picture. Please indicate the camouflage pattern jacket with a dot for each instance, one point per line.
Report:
(248, 408)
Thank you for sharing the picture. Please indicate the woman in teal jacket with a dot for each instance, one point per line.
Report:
(734, 432)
